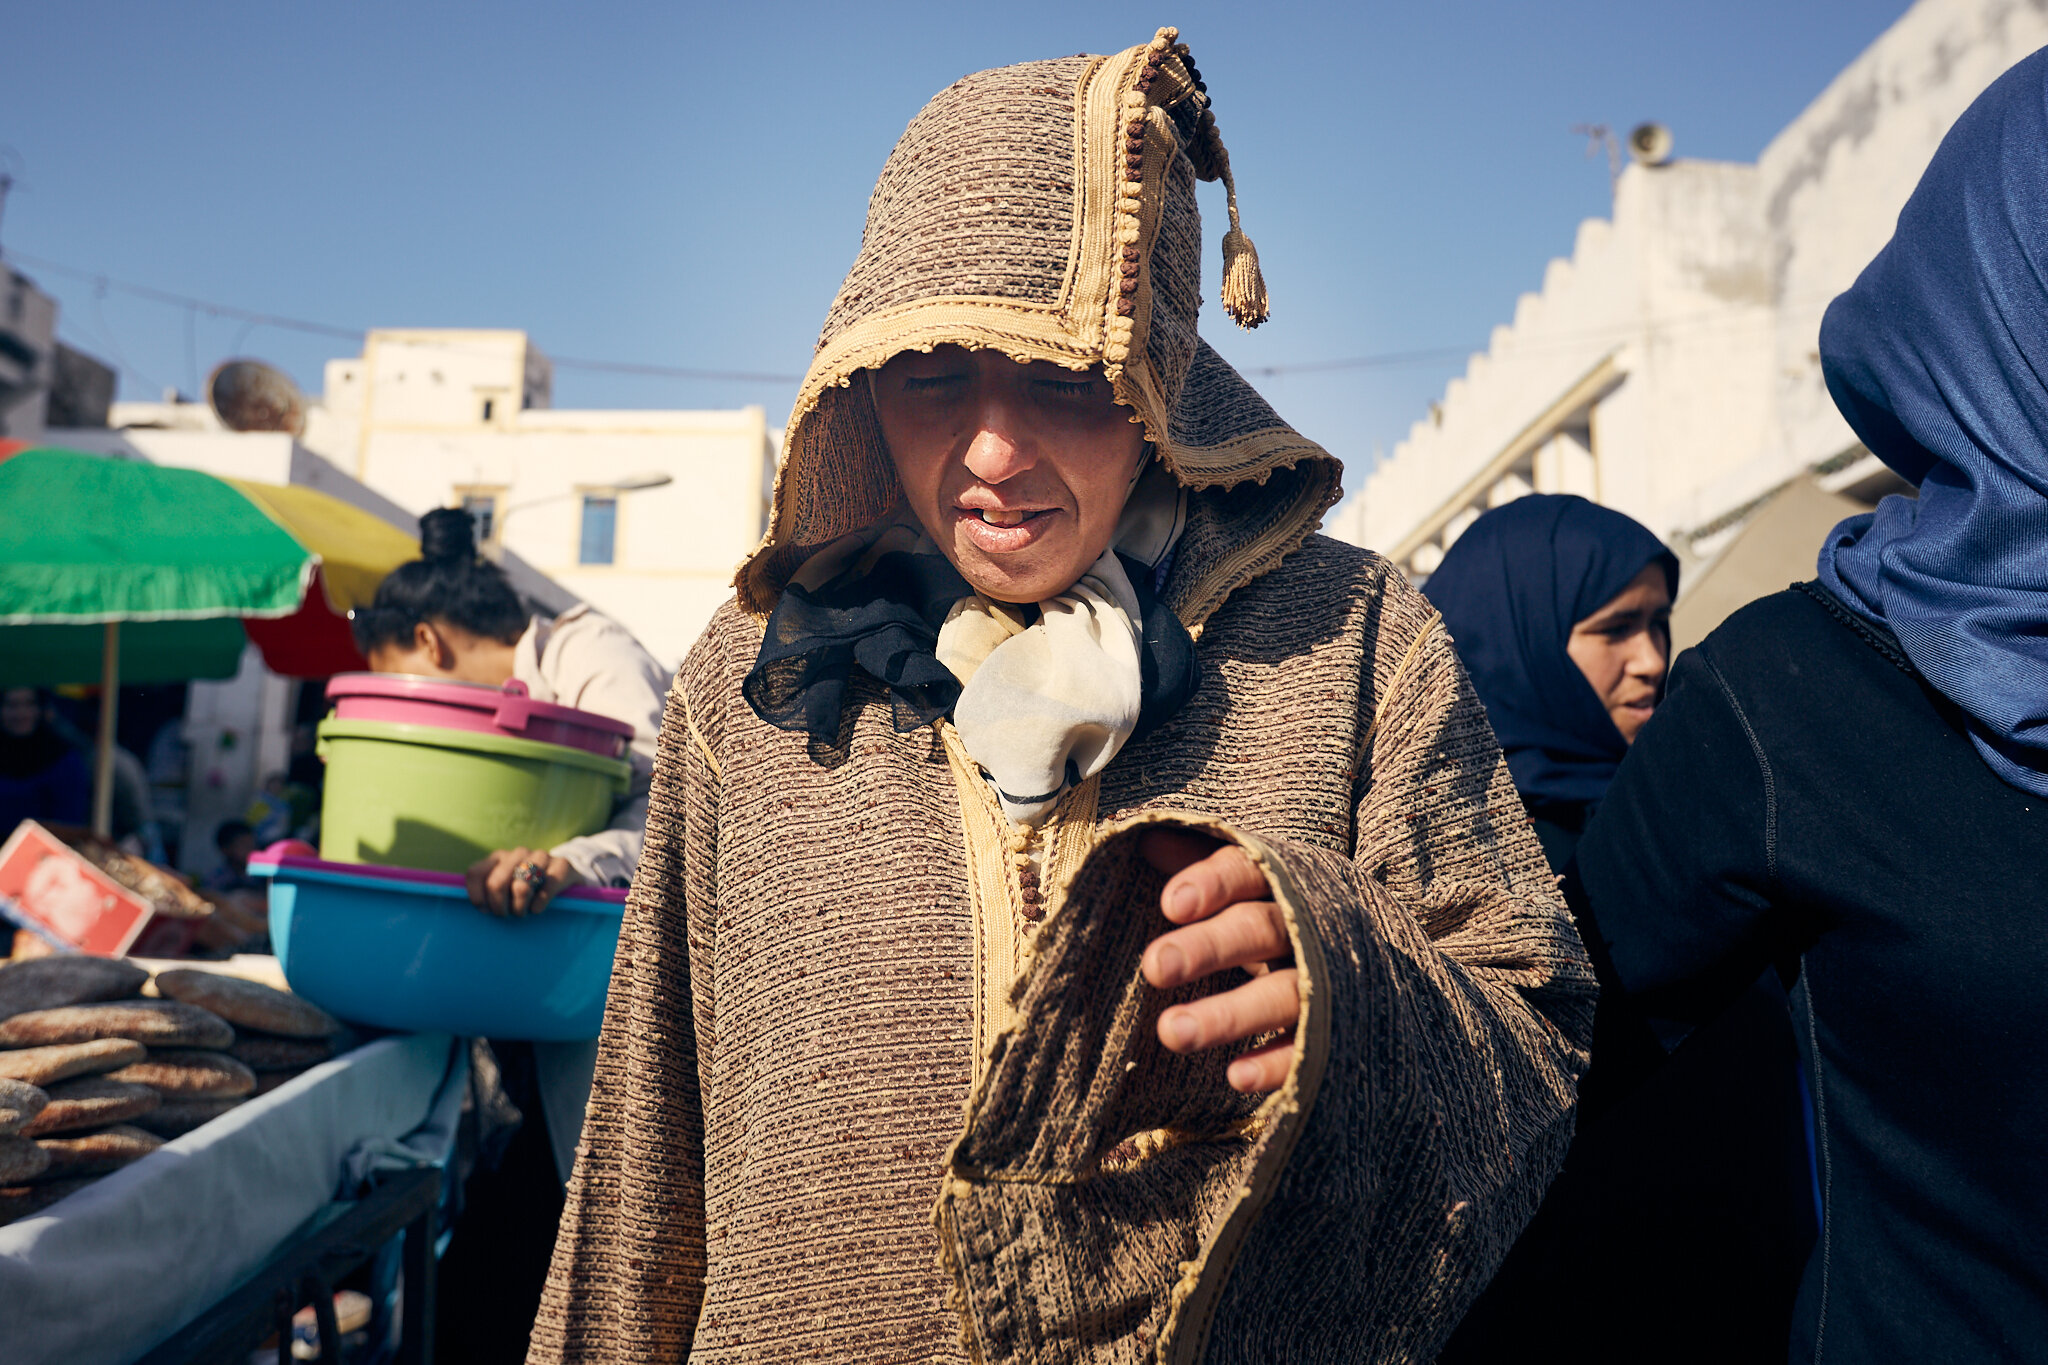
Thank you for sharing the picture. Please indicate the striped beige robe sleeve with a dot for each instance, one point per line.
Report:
(1446, 1010)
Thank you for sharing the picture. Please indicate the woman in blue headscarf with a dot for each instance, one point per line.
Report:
(1561, 610)
(1678, 1226)
(1853, 775)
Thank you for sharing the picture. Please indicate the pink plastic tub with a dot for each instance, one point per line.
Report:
(503, 710)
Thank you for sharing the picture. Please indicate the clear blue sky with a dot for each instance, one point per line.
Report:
(683, 184)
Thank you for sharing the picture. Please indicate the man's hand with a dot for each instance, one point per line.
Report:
(1230, 920)
(518, 881)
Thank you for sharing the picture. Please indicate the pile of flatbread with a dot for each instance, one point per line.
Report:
(94, 1075)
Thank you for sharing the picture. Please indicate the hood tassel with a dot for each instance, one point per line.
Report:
(1244, 284)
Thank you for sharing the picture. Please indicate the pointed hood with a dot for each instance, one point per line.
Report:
(1047, 210)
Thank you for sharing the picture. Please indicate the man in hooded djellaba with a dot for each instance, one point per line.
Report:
(1084, 914)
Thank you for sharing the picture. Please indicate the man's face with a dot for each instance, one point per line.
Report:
(19, 711)
(1018, 470)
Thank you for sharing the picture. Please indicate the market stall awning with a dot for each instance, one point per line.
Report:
(187, 563)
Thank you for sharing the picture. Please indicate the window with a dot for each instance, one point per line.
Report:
(489, 404)
(483, 510)
(600, 522)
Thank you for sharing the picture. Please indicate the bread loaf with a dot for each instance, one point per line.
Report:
(175, 1118)
(19, 1201)
(280, 1054)
(159, 1023)
(96, 1153)
(48, 983)
(44, 1066)
(20, 1102)
(247, 1004)
(179, 1074)
(91, 1102)
(21, 1159)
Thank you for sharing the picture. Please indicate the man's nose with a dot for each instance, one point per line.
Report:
(999, 449)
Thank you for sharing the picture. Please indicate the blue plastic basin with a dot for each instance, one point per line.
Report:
(404, 949)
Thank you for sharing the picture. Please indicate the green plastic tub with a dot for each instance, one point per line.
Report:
(425, 797)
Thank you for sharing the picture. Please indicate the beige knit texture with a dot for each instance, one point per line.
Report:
(1020, 212)
(789, 1037)
(852, 1102)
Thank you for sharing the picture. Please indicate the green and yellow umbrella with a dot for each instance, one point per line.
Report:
(190, 566)
(116, 571)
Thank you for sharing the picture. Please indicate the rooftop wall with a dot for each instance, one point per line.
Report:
(1704, 295)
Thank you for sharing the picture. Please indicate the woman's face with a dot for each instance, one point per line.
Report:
(20, 711)
(1018, 470)
(440, 650)
(1624, 648)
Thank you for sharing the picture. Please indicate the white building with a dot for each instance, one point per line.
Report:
(1671, 367)
(643, 514)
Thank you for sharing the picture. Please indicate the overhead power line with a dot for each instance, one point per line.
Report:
(1385, 360)
(215, 308)
(1646, 328)
(144, 291)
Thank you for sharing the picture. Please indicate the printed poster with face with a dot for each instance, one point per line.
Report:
(47, 887)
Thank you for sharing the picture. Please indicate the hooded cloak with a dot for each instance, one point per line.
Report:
(1938, 357)
(1511, 589)
(879, 1077)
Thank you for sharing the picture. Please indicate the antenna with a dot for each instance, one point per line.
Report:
(1599, 135)
(248, 395)
(10, 164)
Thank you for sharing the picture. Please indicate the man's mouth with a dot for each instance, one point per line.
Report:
(995, 516)
(1005, 530)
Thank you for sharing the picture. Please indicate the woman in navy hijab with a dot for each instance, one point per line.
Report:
(1684, 1202)
(1852, 778)
(1561, 611)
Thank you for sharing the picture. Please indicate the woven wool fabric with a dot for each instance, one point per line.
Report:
(1048, 211)
(789, 1037)
(826, 956)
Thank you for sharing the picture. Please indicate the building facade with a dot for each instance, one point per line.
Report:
(1670, 367)
(643, 514)
(43, 382)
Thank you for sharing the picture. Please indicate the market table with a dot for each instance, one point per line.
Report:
(118, 1268)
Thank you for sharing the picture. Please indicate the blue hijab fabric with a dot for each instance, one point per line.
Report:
(1510, 589)
(1938, 358)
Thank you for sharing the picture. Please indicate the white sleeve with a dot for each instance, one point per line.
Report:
(594, 664)
(608, 857)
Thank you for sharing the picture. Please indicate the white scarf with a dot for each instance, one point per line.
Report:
(1046, 703)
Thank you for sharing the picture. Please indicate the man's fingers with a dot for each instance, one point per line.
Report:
(1246, 934)
(527, 867)
(498, 885)
(475, 878)
(558, 874)
(1261, 1005)
(1204, 887)
(1263, 1068)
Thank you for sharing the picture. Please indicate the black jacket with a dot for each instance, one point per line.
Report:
(1679, 1226)
(1802, 791)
